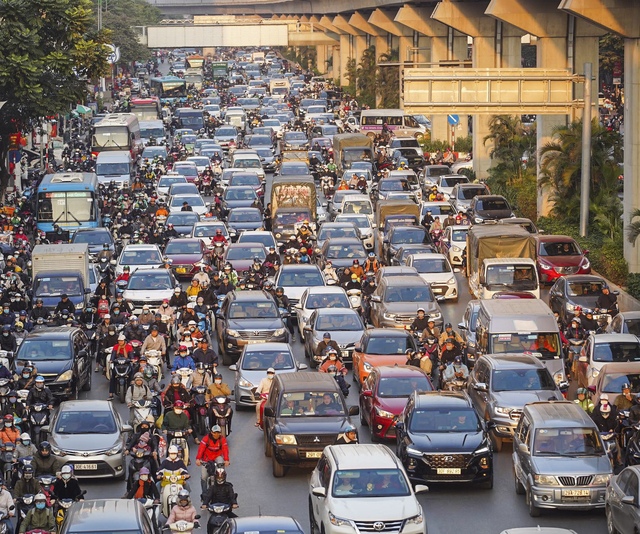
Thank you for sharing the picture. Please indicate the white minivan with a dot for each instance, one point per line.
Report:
(115, 166)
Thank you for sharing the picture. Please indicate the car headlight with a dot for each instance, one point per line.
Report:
(65, 377)
(233, 333)
(502, 410)
(286, 439)
(416, 519)
(570, 307)
(585, 263)
(601, 480)
(558, 377)
(545, 480)
(545, 266)
(279, 332)
(471, 344)
(451, 281)
(456, 249)
(338, 521)
(482, 450)
(367, 367)
(435, 315)
(478, 220)
(391, 316)
(117, 449)
(384, 413)
(80, 306)
(415, 452)
(56, 450)
(244, 383)
(595, 373)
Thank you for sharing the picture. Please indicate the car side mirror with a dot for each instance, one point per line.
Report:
(233, 367)
(421, 488)
(82, 354)
(367, 393)
(354, 410)
(480, 386)
(45, 429)
(375, 298)
(298, 306)
(462, 326)
(522, 447)
(629, 499)
(319, 492)
(126, 429)
(302, 366)
(585, 251)
(268, 411)
(307, 328)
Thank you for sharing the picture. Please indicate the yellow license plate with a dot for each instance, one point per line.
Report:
(314, 454)
(181, 270)
(576, 493)
(449, 471)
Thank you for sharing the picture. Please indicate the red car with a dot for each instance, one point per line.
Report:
(186, 255)
(384, 395)
(559, 255)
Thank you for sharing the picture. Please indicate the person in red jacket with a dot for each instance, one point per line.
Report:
(213, 448)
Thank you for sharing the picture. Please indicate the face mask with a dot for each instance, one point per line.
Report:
(178, 411)
(144, 478)
(26, 375)
(26, 442)
(192, 328)
(66, 476)
(270, 377)
(116, 312)
(40, 505)
(218, 381)
(39, 385)
(5, 310)
(173, 456)
(145, 312)
(5, 334)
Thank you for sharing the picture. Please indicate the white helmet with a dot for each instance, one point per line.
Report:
(173, 449)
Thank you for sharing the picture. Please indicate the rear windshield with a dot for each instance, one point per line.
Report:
(616, 352)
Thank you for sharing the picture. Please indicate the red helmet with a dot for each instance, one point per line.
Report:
(178, 404)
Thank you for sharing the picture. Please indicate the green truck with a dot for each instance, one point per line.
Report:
(351, 147)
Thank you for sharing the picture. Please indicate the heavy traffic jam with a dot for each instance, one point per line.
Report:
(232, 234)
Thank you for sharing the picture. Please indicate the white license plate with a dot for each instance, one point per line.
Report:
(437, 290)
(449, 471)
(314, 454)
(576, 493)
(86, 467)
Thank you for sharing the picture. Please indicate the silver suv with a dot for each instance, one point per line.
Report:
(500, 386)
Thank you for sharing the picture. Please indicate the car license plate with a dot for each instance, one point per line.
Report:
(436, 290)
(86, 467)
(576, 493)
(181, 270)
(314, 454)
(254, 341)
(449, 471)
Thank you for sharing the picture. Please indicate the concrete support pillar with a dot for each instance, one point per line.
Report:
(375, 36)
(335, 64)
(321, 58)
(340, 54)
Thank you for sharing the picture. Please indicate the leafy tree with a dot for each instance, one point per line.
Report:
(351, 74)
(366, 76)
(611, 55)
(47, 52)
(388, 82)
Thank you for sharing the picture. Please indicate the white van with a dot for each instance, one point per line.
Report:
(249, 160)
(115, 166)
(155, 129)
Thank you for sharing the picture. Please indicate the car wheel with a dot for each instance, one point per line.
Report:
(518, 485)
(267, 446)
(372, 434)
(611, 528)
(313, 527)
(497, 442)
(363, 421)
(534, 511)
(276, 467)
(87, 384)
(488, 484)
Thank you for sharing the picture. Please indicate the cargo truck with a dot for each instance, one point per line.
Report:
(348, 148)
(293, 203)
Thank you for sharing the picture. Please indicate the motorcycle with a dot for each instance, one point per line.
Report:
(457, 384)
(185, 376)
(355, 298)
(122, 369)
(220, 414)
(328, 187)
(7, 458)
(142, 411)
(610, 447)
(38, 418)
(200, 410)
(573, 353)
(184, 527)
(154, 359)
(218, 513)
(171, 482)
(61, 507)
(179, 439)
(140, 457)
(24, 504)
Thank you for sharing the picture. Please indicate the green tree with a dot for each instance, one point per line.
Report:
(366, 76)
(351, 74)
(47, 54)
(611, 56)
(388, 82)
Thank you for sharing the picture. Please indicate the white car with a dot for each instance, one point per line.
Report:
(206, 230)
(454, 242)
(319, 297)
(202, 162)
(363, 488)
(436, 270)
(362, 223)
(195, 201)
(150, 287)
(447, 182)
(139, 257)
(166, 181)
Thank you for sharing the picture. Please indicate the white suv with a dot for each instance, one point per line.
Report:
(350, 487)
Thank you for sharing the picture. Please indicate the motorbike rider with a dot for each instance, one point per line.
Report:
(455, 371)
(231, 273)
(431, 330)
(183, 360)
(575, 330)
(413, 358)
(608, 301)
(178, 299)
(137, 391)
(108, 336)
(371, 264)
(449, 333)
(183, 510)
(583, 400)
(27, 484)
(450, 352)
(7, 507)
(40, 394)
(25, 447)
(589, 323)
(9, 433)
(263, 389)
(165, 309)
(218, 389)
(282, 301)
(625, 400)
(322, 347)
(146, 317)
(122, 349)
(604, 419)
(39, 517)
(220, 491)
(330, 273)
(67, 487)
(272, 256)
(175, 391)
(147, 430)
(353, 283)
(225, 287)
(332, 361)
(419, 324)
(154, 341)
(177, 420)
(44, 463)
(213, 448)
(65, 305)
(133, 330)
(39, 311)
(144, 489)
(348, 437)
(205, 354)
(8, 340)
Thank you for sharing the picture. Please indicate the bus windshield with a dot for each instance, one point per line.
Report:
(111, 136)
(66, 207)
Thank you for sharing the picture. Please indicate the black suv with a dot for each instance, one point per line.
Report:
(247, 317)
(304, 413)
(62, 356)
(440, 438)
(403, 235)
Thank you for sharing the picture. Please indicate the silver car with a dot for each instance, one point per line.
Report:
(90, 436)
(253, 364)
(622, 501)
(319, 297)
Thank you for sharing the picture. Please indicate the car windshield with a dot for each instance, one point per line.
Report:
(516, 277)
(249, 163)
(467, 193)
(544, 346)
(585, 289)
(410, 235)
(612, 383)
(226, 132)
(239, 193)
(358, 207)
(431, 265)
(166, 181)
(56, 286)
(344, 230)
(340, 322)
(312, 403)
(393, 185)
(492, 205)
(459, 236)
(564, 248)
(208, 230)
(361, 483)
(155, 281)
(182, 246)
(453, 180)
(327, 300)
(387, 345)
(185, 218)
(140, 257)
(616, 352)
(93, 237)
(444, 420)
(44, 350)
(566, 442)
(337, 252)
(289, 278)
(244, 179)
(245, 253)
(295, 136)
(521, 380)
(261, 360)
(403, 386)
(632, 326)
(408, 294)
(253, 310)
(248, 216)
(192, 201)
(85, 422)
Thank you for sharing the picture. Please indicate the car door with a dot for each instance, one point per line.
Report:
(320, 477)
(300, 307)
(555, 296)
(358, 353)
(616, 326)
(366, 401)
(480, 375)
(628, 512)
(521, 462)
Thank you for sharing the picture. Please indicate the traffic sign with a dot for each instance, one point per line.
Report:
(114, 55)
(453, 119)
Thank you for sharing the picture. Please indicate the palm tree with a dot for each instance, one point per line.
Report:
(633, 230)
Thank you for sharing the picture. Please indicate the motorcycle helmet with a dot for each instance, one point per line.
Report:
(332, 369)
(27, 472)
(173, 450)
(40, 382)
(279, 290)
(40, 497)
(8, 420)
(576, 320)
(581, 391)
(178, 404)
(350, 430)
(221, 474)
(45, 448)
(66, 472)
(184, 499)
(200, 368)
(217, 378)
(175, 381)
(625, 386)
(448, 325)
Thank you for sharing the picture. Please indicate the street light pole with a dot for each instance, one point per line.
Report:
(585, 171)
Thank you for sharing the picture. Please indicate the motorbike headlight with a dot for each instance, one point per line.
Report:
(65, 377)
(286, 439)
(233, 333)
(383, 413)
(367, 367)
(416, 519)
(545, 480)
(244, 383)
(601, 480)
(80, 306)
(117, 449)
(279, 332)
(545, 266)
(338, 521)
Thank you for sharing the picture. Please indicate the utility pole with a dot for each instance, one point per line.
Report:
(586, 153)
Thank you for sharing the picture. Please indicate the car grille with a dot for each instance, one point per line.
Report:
(439, 289)
(293, 302)
(256, 334)
(576, 481)
(405, 318)
(379, 526)
(515, 414)
(566, 270)
(436, 461)
(138, 304)
(317, 440)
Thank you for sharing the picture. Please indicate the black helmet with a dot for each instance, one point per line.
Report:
(279, 289)
(221, 474)
(44, 447)
(448, 325)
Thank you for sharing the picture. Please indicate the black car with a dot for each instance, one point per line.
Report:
(247, 317)
(183, 222)
(341, 251)
(62, 356)
(96, 238)
(262, 523)
(242, 219)
(400, 235)
(489, 208)
(440, 438)
(574, 290)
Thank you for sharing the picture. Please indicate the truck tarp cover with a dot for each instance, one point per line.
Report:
(497, 241)
(342, 141)
(395, 207)
(293, 193)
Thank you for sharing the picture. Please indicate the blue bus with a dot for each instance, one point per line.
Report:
(69, 200)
